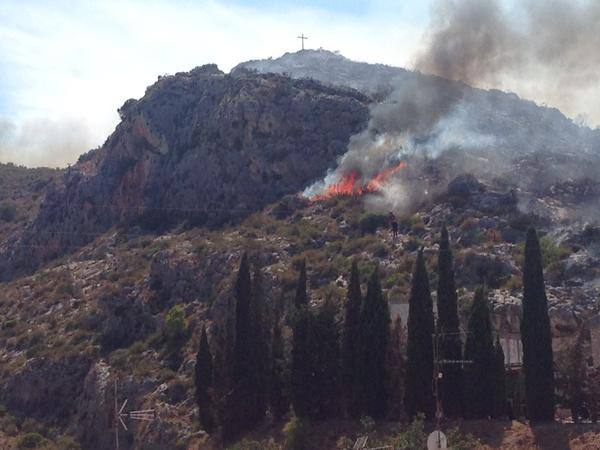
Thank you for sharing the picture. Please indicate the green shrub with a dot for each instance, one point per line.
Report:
(551, 253)
(367, 423)
(379, 250)
(413, 437)
(522, 222)
(344, 443)
(413, 244)
(369, 223)
(32, 426)
(67, 443)
(137, 348)
(120, 358)
(31, 440)
(176, 329)
(296, 432)
(10, 429)
(459, 441)
(246, 444)
(391, 281)
(8, 212)
(514, 283)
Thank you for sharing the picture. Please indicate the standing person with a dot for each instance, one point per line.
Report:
(393, 224)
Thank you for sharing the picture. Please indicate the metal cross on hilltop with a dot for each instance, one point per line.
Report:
(302, 38)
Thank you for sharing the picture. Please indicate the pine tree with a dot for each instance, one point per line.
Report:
(418, 393)
(538, 365)
(301, 376)
(451, 386)
(500, 382)
(374, 338)
(350, 341)
(324, 352)
(480, 376)
(204, 382)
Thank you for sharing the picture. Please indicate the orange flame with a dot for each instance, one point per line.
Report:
(382, 177)
(351, 183)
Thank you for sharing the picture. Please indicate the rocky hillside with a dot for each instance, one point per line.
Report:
(22, 191)
(201, 147)
(101, 314)
(151, 227)
(501, 124)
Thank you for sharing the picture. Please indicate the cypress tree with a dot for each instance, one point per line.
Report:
(395, 371)
(575, 379)
(204, 382)
(536, 336)
(500, 382)
(374, 338)
(451, 386)
(301, 376)
(324, 353)
(223, 338)
(418, 393)
(277, 398)
(350, 341)
(246, 378)
(480, 377)
(301, 298)
(259, 341)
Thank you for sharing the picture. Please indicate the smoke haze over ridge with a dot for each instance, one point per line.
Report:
(43, 142)
(550, 47)
(546, 50)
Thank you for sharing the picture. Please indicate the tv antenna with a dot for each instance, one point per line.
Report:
(145, 415)
(302, 38)
(361, 444)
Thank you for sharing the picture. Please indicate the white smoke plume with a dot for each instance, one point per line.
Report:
(547, 50)
(486, 133)
(43, 142)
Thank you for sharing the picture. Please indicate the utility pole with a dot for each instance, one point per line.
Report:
(116, 415)
(302, 38)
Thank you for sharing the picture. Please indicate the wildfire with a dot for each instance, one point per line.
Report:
(351, 183)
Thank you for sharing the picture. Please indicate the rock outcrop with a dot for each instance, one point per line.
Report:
(46, 388)
(201, 147)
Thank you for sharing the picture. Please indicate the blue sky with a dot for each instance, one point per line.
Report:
(68, 65)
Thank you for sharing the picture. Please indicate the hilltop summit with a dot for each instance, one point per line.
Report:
(332, 68)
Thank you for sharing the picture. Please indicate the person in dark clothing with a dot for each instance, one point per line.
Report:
(393, 224)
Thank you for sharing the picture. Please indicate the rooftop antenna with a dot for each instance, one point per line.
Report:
(302, 38)
(146, 415)
(361, 444)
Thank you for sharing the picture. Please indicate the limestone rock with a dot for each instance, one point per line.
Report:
(201, 147)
